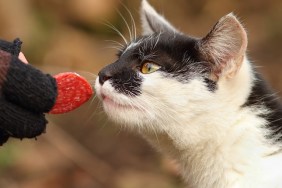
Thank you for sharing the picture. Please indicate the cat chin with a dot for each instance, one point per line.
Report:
(128, 117)
(131, 116)
(111, 104)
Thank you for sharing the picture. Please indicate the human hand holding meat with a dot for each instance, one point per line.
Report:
(26, 94)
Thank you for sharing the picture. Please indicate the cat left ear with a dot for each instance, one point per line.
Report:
(225, 47)
(152, 22)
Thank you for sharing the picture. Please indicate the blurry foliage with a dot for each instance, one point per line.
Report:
(7, 157)
(83, 149)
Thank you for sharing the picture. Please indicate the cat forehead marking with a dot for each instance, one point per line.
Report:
(148, 41)
(132, 45)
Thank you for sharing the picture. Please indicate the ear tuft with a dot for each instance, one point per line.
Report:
(225, 46)
(152, 22)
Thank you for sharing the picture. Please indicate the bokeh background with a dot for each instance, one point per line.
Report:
(83, 149)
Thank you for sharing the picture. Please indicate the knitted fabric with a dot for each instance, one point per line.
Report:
(28, 87)
(25, 95)
(12, 48)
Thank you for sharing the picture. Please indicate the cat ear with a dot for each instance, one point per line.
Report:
(152, 22)
(225, 46)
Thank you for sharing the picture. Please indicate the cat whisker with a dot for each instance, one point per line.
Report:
(94, 76)
(157, 41)
(90, 117)
(155, 133)
(114, 47)
(92, 100)
(117, 31)
(116, 43)
(104, 124)
(164, 109)
(132, 21)
(90, 107)
(127, 25)
(143, 108)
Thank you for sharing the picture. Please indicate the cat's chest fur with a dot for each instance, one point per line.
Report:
(198, 100)
(224, 144)
(232, 161)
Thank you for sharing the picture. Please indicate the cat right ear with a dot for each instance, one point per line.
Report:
(152, 22)
(225, 47)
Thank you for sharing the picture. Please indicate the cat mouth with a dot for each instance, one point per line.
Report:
(110, 102)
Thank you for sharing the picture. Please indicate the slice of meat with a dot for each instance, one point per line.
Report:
(73, 91)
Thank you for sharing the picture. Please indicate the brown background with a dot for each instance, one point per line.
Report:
(83, 149)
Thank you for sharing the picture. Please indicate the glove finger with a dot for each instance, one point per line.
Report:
(28, 87)
(19, 123)
(13, 48)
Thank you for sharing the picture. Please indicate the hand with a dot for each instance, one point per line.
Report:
(22, 58)
(25, 94)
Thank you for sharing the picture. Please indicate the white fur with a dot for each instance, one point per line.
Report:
(217, 143)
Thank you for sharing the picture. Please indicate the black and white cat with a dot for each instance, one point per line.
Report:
(198, 100)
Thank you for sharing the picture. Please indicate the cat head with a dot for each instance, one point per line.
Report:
(164, 76)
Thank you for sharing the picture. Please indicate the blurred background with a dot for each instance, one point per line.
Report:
(83, 149)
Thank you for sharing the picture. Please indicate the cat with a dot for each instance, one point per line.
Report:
(198, 100)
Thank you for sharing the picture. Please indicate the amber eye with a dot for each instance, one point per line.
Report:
(149, 67)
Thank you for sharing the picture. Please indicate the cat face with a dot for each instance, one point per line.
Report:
(152, 76)
(164, 76)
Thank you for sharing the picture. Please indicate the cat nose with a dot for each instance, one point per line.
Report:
(104, 76)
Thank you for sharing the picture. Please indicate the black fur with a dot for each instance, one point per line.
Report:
(127, 82)
(123, 76)
(174, 52)
(262, 95)
(212, 86)
(178, 56)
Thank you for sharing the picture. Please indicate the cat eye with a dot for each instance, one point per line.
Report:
(149, 67)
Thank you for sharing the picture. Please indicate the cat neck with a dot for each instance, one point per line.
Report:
(235, 160)
(223, 147)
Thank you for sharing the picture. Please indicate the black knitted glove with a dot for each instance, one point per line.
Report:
(25, 95)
